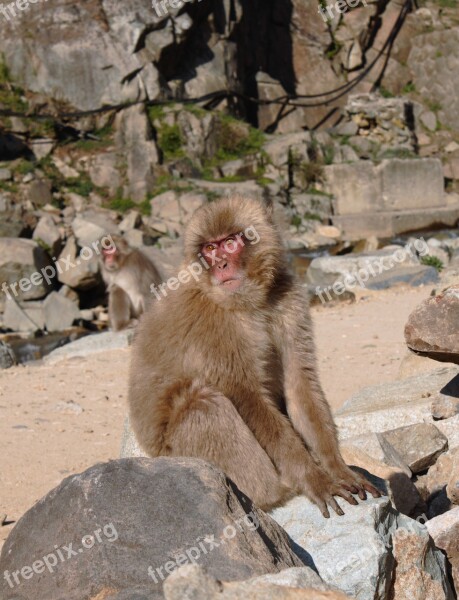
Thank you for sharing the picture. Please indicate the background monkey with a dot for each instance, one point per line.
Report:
(224, 368)
(128, 274)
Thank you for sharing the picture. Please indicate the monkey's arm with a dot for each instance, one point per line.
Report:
(306, 404)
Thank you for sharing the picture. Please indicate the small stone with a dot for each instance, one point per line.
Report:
(69, 407)
(419, 445)
(5, 174)
(429, 120)
(444, 407)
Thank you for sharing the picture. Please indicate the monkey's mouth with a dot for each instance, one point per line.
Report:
(231, 285)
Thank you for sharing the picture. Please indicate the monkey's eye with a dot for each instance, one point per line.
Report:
(209, 247)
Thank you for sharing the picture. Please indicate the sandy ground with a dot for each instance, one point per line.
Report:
(43, 438)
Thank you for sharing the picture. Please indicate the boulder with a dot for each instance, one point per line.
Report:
(47, 232)
(419, 445)
(415, 574)
(122, 527)
(21, 268)
(438, 476)
(394, 185)
(298, 583)
(432, 327)
(26, 317)
(38, 192)
(59, 312)
(366, 568)
(91, 225)
(76, 272)
(444, 531)
(136, 141)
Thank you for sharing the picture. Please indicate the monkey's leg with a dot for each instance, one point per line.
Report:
(119, 308)
(205, 424)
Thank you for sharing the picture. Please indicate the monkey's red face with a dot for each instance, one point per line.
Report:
(224, 258)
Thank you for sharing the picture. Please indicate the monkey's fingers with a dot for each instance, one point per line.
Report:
(351, 488)
(336, 507)
(373, 491)
(348, 497)
(324, 510)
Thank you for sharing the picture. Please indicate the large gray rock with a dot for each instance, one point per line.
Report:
(130, 523)
(59, 312)
(91, 225)
(394, 185)
(76, 272)
(21, 263)
(136, 141)
(48, 233)
(362, 539)
(405, 402)
(27, 317)
(432, 327)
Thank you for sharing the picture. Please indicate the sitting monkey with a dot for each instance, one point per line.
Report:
(128, 274)
(224, 368)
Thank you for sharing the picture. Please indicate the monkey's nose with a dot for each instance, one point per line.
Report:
(222, 265)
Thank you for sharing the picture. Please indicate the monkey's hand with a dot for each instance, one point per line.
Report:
(322, 487)
(353, 482)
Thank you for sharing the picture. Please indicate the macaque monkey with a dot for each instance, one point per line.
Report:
(128, 274)
(224, 367)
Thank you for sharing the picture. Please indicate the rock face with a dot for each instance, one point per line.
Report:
(432, 327)
(354, 552)
(124, 526)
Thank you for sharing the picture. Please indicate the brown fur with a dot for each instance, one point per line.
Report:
(231, 378)
(128, 279)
